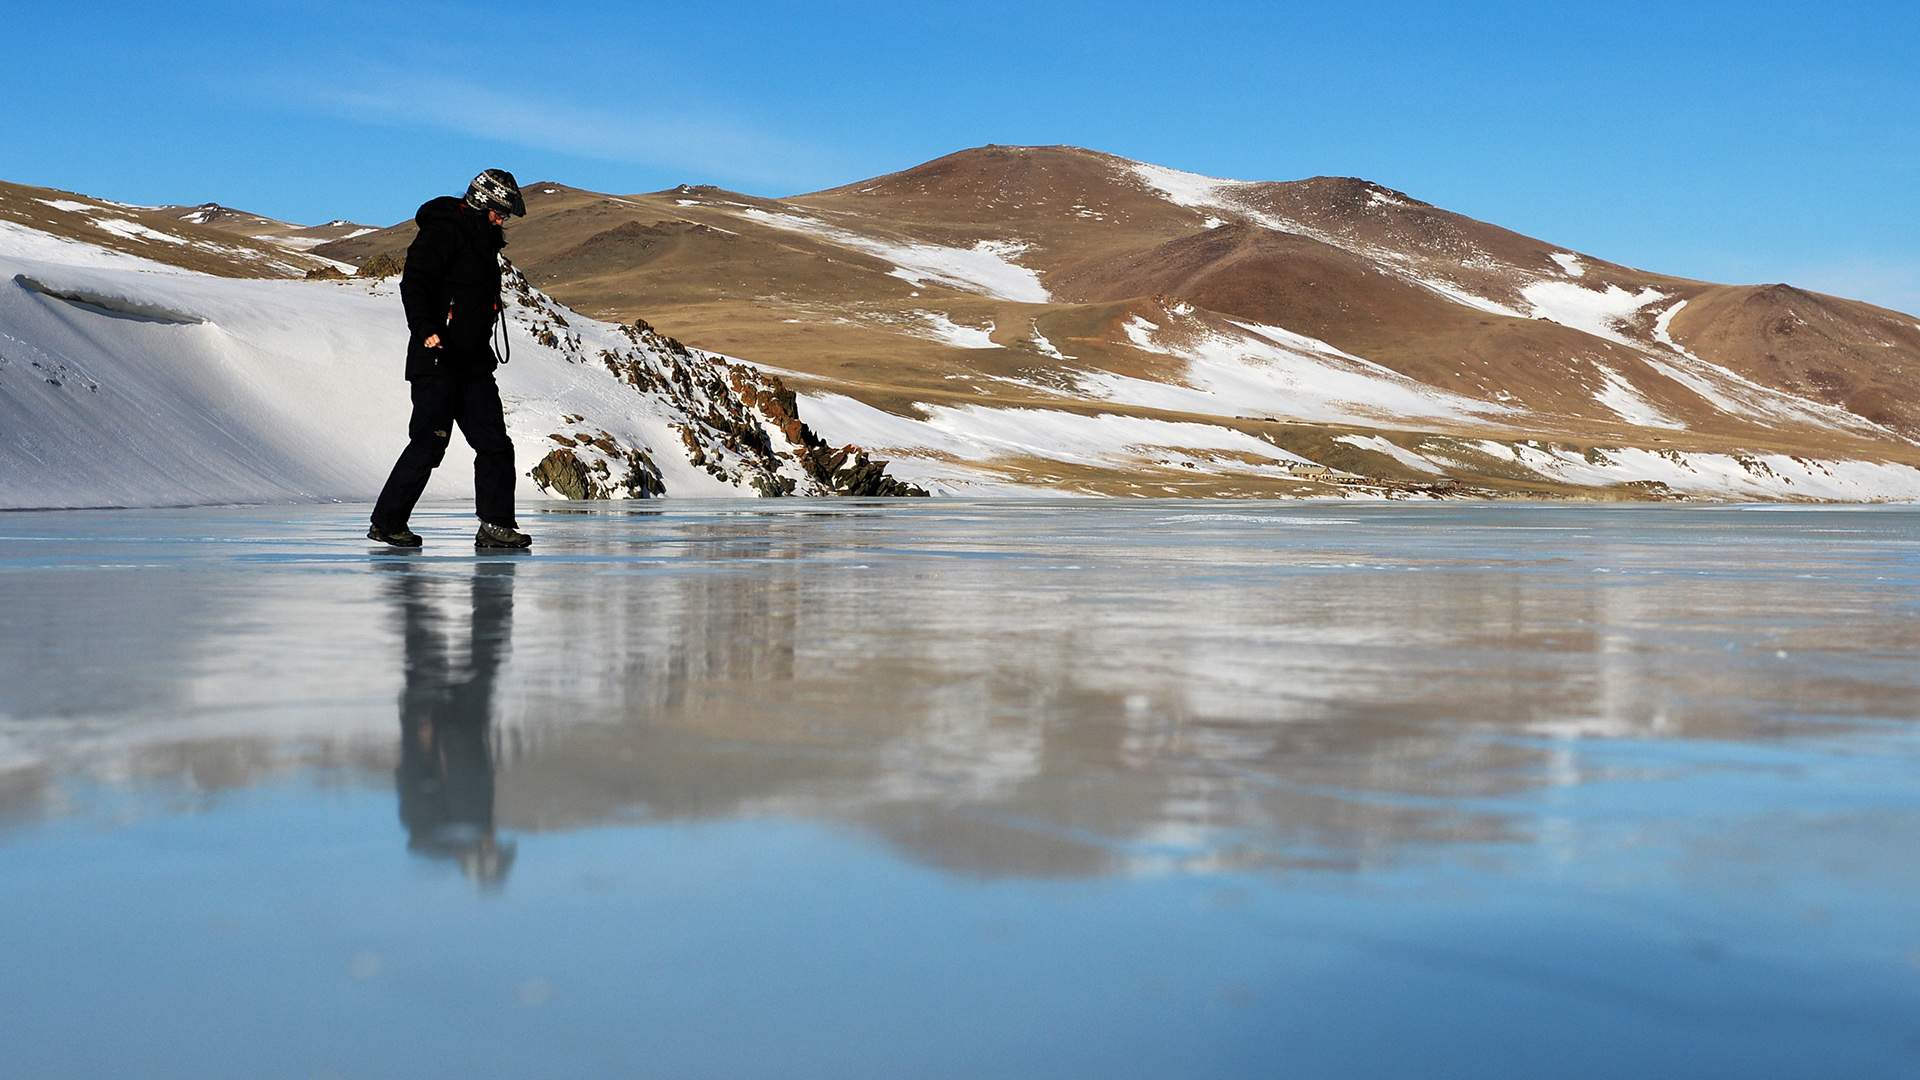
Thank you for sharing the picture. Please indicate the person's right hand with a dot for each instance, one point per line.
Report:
(432, 341)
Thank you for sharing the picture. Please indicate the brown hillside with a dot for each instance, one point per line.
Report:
(1010, 277)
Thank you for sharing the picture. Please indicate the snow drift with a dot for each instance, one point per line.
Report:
(130, 383)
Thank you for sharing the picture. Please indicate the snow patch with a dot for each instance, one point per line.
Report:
(19, 241)
(964, 337)
(71, 207)
(987, 267)
(1230, 197)
(1271, 371)
(1460, 295)
(1184, 188)
(1663, 330)
(1624, 400)
(1736, 395)
(1731, 476)
(1590, 311)
(133, 230)
(1045, 347)
(1398, 453)
(975, 433)
(1570, 263)
(1140, 332)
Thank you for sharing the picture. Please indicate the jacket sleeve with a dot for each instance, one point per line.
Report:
(423, 284)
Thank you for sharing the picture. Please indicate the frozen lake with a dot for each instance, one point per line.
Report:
(951, 789)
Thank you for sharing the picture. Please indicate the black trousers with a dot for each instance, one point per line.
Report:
(439, 403)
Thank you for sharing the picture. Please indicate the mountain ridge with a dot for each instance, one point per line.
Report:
(1001, 284)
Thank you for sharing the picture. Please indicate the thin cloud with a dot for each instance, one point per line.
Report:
(703, 147)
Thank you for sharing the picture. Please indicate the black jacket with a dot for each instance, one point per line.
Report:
(451, 287)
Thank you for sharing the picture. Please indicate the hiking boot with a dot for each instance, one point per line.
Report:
(501, 536)
(401, 537)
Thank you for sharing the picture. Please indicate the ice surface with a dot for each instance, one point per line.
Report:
(1143, 784)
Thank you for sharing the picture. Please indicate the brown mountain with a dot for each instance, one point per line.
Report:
(1066, 279)
(209, 238)
(257, 227)
(1331, 318)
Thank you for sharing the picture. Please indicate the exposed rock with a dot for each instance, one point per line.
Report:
(563, 472)
(384, 265)
(826, 466)
(565, 475)
(1652, 489)
(737, 419)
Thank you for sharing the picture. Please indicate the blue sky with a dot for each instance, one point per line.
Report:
(1733, 142)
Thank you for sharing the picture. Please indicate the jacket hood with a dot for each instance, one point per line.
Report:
(445, 210)
(451, 212)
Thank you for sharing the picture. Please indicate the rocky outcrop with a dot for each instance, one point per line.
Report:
(384, 265)
(614, 472)
(736, 422)
(844, 470)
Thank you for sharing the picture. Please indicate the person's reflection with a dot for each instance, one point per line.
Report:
(445, 775)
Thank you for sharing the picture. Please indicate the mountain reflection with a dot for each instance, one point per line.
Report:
(1054, 693)
(445, 776)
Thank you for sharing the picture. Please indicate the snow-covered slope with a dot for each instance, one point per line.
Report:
(125, 382)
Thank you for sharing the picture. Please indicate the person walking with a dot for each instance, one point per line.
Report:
(451, 291)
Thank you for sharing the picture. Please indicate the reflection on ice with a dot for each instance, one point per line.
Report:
(445, 778)
(1077, 789)
(1033, 689)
